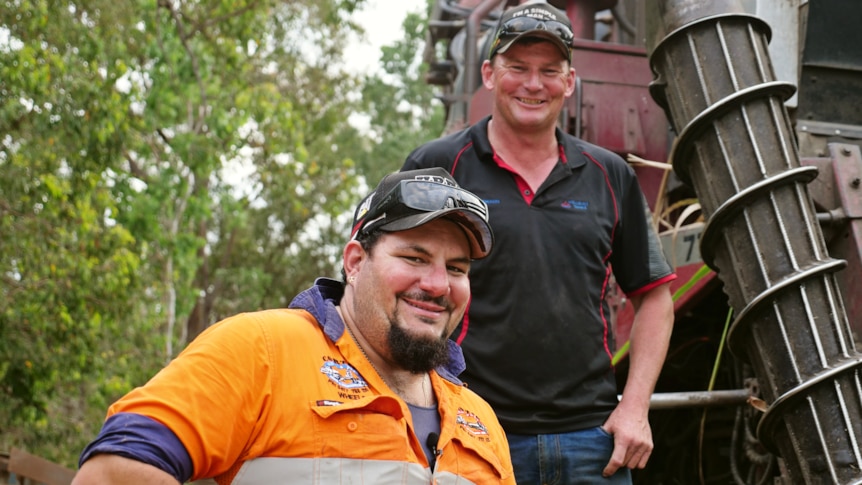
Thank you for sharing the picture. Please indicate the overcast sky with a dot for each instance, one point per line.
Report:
(382, 21)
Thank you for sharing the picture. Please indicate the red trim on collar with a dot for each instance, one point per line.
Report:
(524, 188)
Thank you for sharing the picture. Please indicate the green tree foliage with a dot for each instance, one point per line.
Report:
(166, 164)
(68, 270)
(402, 108)
(163, 164)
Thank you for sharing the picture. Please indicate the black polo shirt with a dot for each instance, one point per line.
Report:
(537, 337)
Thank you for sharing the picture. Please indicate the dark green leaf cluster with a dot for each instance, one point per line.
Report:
(164, 165)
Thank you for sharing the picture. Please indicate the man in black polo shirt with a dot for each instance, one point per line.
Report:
(537, 336)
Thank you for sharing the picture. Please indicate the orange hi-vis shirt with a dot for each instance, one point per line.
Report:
(286, 396)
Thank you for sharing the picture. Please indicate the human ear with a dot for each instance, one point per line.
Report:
(488, 74)
(354, 255)
(570, 82)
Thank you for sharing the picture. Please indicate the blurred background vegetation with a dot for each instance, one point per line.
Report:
(166, 164)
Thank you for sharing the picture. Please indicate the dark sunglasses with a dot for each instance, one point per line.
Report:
(519, 25)
(426, 196)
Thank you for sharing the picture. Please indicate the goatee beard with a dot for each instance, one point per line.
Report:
(416, 354)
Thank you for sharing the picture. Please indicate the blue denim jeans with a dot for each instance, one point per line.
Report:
(575, 458)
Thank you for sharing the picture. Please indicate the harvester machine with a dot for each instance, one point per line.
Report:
(743, 120)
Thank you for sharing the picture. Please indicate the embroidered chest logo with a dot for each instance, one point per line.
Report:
(343, 375)
(575, 204)
(471, 423)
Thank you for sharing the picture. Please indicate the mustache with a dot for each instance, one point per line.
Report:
(425, 297)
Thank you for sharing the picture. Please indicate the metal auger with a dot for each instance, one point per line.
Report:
(736, 148)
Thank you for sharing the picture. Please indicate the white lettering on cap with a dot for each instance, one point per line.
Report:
(436, 179)
(536, 13)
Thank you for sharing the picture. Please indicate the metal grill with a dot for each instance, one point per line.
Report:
(736, 148)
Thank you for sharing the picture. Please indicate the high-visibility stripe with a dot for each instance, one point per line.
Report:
(333, 471)
(277, 384)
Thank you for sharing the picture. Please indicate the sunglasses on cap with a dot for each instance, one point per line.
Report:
(425, 196)
(519, 25)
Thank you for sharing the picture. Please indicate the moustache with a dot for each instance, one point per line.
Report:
(425, 297)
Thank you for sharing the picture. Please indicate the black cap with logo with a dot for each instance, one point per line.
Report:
(404, 200)
(533, 20)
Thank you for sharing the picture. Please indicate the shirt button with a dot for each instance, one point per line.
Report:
(527, 192)
(351, 426)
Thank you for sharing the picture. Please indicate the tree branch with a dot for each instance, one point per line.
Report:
(197, 123)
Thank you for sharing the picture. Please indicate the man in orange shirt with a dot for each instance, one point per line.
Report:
(355, 382)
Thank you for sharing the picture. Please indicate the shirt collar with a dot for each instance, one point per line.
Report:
(320, 301)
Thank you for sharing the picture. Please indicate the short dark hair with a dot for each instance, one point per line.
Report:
(368, 240)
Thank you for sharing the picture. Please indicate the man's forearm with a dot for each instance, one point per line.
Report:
(650, 337)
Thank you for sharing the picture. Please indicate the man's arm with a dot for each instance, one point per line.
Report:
(114, 469)
(650, 337)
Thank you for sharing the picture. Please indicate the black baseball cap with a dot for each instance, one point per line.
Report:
(533, 20)
(404, 200)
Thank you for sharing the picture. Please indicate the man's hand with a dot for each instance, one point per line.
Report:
(632, 438)
(650, 337)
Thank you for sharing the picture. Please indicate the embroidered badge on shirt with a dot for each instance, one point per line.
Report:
(471, 423)
(343, 375)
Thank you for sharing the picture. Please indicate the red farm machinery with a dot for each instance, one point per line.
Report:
(743, 120)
